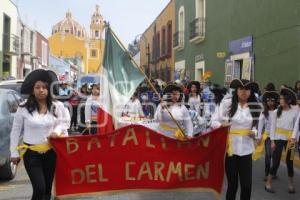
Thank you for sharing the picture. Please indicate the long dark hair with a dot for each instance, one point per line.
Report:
(296, 89)
(266, 108)
(31, 104)
(280, 108)
(253, 107)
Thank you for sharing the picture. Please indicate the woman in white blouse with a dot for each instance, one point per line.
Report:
(194, 98)
(284, 133)
(270, 101)
(40, 117)
(91, 109)
(242, 112)
(133, 108)
(173, 101)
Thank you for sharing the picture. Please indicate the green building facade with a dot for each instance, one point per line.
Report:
(252, 39)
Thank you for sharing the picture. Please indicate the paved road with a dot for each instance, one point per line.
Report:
(20, 189)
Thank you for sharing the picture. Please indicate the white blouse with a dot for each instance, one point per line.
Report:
(180, 113)
(242, 119)
(37, 127)
(134, 109)
(91, 108)
(264, 124)
(287, 121)
(195, 103)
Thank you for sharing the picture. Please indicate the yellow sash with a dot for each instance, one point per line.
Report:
(288, 133)
(240, 132)
(177, 132)
(259, 149)
(41, 148)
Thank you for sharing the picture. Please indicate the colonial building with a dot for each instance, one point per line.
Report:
(157, 55)
(27, 61)
(42, 51)
(9, 40)
(70, 40)
(249, 39)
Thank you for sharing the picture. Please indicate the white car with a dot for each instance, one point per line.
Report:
(9, 102)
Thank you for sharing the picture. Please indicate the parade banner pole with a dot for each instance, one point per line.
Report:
(148, 80)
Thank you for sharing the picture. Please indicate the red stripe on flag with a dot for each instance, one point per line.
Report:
(105, 122)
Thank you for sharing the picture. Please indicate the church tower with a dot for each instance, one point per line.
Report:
(97, 24)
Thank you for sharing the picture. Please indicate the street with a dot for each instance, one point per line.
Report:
(20, 189)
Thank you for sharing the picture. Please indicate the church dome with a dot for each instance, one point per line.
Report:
(69, 26)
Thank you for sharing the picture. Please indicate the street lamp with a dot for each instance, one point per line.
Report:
(147, 45)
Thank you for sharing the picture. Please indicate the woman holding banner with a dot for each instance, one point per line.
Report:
(173, 102)
(284, 134)
(40, 117)
(242, 114)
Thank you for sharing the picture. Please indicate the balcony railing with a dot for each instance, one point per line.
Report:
(11, 44)
(178, 40)
(197, 30)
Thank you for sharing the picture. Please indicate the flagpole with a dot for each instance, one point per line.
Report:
(149, 82)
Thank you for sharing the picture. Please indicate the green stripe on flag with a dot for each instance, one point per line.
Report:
(122, 73)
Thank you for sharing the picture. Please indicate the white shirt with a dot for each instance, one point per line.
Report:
(195, 103)
(242, 119)
(286, 121)
(180, 113)
(91, 107)
(37, 127)
(134, 108)
(296, 130)
(264, 124)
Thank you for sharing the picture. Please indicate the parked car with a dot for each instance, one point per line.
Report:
(9, 102)
(13, 85)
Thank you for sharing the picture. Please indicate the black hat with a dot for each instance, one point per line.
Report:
(47, 76)
(270, 95)
(196, 83)
(270, 87)
(290, 94)
(219, 91)
(172, 87)
(243, 83)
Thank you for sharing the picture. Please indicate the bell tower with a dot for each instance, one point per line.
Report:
(97, 24)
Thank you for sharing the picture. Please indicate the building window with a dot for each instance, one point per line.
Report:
(169, 39)
(78, 34)
(66, 31)
(96, 34)
(200, 8)
(158, 45)
(94, 53)
(181, 22)
(153, 48)
(163, 41)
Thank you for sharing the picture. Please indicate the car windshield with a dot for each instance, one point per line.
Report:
(15, 87)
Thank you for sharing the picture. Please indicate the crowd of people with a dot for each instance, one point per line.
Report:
(182, 110)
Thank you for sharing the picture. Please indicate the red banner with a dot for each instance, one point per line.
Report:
(138, 158)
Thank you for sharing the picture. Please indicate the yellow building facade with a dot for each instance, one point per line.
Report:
(70, 40)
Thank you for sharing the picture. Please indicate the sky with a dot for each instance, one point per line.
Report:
(128, 18)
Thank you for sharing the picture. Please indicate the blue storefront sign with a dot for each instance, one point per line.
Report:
(241, 45)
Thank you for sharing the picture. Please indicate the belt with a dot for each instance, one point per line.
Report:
(176, 131)
(288, 134)
(259, 149)
(39, 148)
(240, 132)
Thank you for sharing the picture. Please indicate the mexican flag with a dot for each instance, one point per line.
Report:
(119, 80)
